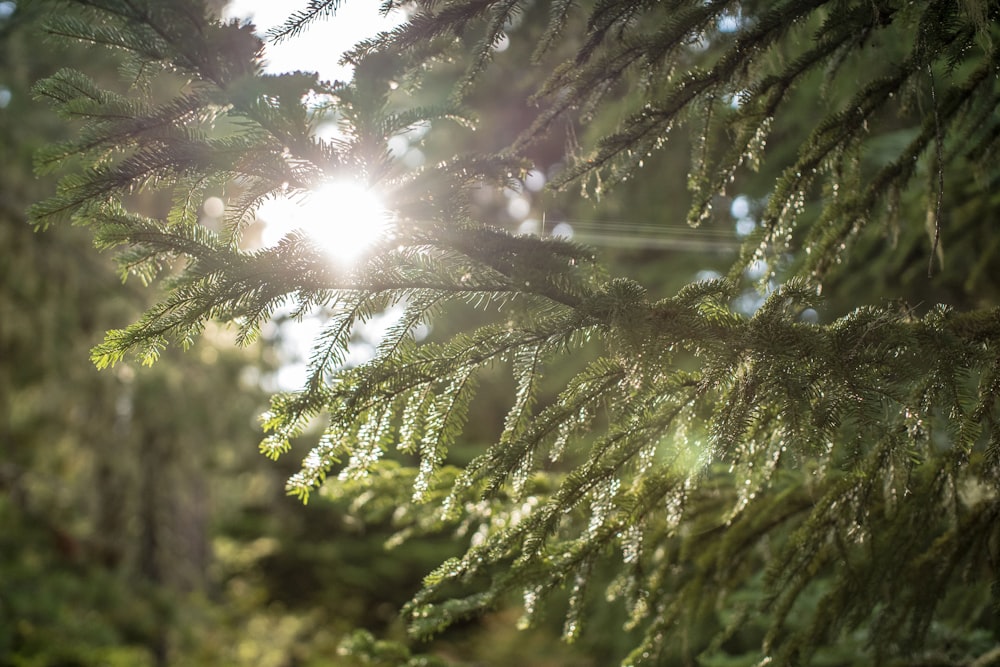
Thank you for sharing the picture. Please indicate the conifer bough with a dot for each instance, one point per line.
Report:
(761, 489)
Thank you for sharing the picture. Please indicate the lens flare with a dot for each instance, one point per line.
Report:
(343, 218)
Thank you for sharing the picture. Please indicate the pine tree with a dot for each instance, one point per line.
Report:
(763, 486)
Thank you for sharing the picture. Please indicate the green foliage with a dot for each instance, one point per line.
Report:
(760, 486)
(139, 528)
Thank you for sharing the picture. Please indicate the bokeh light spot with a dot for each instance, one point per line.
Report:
(563, 230)
(214, 207)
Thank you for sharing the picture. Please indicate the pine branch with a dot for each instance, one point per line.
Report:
(690, 448)
(299, 21)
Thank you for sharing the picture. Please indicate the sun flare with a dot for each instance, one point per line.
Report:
(343, 218)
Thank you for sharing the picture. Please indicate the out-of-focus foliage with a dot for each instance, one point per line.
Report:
(804, 474)
(110, 482)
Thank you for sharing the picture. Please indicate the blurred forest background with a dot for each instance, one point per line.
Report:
(139, 525)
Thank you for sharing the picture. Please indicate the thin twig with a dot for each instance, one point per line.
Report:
(939, 164)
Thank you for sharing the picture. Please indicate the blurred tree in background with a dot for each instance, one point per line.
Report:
(797, 464)
(111, 482)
